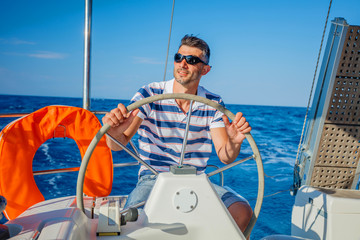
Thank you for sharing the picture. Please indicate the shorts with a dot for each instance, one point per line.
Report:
(145, 184)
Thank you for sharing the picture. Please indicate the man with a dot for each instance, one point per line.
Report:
(161, 126)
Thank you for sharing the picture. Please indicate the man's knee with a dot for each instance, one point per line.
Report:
(242, 213)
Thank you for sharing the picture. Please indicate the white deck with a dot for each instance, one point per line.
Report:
(179, 207)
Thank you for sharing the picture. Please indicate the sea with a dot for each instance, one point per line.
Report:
(275, 129)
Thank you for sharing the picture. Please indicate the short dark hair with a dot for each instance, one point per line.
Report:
(192, 41)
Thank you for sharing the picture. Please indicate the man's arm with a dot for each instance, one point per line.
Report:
(228, 140)
(123, 125)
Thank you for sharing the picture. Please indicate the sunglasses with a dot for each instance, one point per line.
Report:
(192, 60)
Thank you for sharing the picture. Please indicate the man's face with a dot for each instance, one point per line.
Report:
(185, 73)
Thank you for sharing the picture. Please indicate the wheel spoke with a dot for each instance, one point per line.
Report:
(230, 166)
(182, 155)
(221, 176)
(133, 154)
(134, 147)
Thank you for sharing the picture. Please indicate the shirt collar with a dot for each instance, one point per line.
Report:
(200, 92)
(170, 84)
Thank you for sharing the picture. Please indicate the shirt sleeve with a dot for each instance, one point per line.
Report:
(217, 120)
(143, 92)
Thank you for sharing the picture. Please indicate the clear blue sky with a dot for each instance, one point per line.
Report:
(263, 52)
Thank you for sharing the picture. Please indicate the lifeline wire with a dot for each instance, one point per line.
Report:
(312, 87)
(167, 52)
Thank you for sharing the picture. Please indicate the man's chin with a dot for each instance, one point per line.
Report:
(182, 81)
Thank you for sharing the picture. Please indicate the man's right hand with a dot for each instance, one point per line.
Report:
(119, 116)
(119, 120)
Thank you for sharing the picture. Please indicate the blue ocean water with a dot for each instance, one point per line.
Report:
(276, 131)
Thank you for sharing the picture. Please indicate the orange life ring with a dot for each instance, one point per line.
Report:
(20, 140)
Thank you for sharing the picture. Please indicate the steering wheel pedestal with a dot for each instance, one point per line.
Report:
(184, 169)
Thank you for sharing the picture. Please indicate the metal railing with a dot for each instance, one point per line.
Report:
(16, 115)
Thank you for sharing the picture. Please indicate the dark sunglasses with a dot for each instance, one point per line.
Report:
(192, 60)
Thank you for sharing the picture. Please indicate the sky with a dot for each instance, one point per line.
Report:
(262, 52)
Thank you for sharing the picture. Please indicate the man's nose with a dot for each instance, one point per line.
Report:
(183, 63)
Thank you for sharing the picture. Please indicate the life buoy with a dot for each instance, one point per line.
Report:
(20, 140)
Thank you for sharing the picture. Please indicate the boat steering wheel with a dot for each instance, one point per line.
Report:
(138, 104)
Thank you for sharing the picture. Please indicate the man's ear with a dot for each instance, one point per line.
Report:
(205, 70)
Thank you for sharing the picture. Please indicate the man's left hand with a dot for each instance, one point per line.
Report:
(237, 128)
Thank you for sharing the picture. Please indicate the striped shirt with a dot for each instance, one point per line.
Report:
(162, 130)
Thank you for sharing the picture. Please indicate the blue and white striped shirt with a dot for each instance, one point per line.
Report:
(162, 130)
